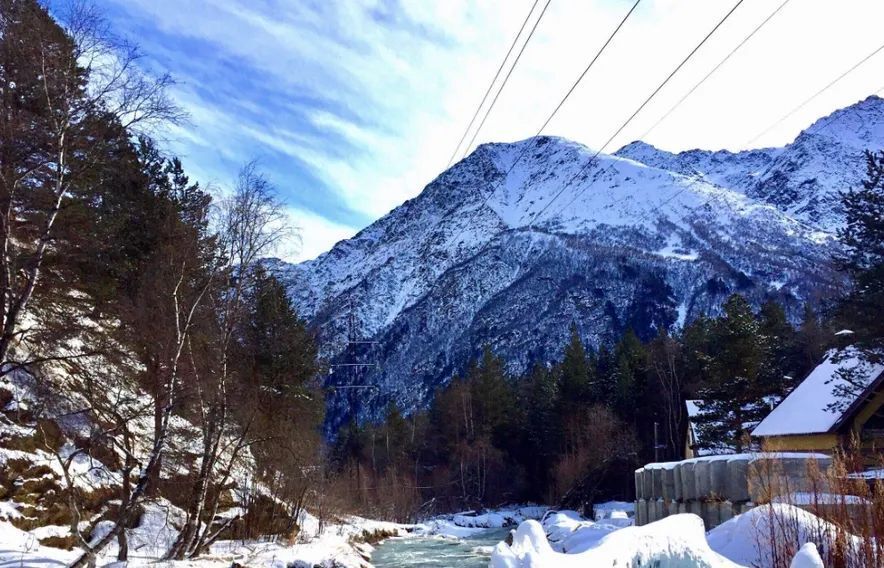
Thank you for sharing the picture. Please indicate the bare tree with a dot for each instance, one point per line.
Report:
(188, 287)
(664, 356)
(250, 223)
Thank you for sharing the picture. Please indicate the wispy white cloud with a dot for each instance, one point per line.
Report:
(356, 105)
(312, 235)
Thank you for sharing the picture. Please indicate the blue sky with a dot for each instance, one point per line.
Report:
(352, 107)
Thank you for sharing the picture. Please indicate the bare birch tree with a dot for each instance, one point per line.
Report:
(250, 223)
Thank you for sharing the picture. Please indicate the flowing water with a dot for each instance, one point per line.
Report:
(470, 552)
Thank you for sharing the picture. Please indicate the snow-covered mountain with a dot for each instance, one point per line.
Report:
(647, 239)
(803, 178)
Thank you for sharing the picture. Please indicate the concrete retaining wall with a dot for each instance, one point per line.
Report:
(717, 488)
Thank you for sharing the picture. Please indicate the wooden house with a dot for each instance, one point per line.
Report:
(841, 400)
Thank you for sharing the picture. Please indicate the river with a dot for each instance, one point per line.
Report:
(418, 552)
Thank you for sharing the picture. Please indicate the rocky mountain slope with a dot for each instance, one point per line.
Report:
(644, 239)
(802, 178)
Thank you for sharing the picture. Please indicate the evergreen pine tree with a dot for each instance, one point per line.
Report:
(862, 311)
(574, 375)
(630, 380)
(781, 355)
(601, 387)
(811, 341)
(541, 427)
(492, 395)
(733, 395)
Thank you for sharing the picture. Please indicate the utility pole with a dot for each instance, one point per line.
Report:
(657, 445)
(351, 360)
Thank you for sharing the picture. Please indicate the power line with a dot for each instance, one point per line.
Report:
(554, 112)
(588, 67)
(634, 114)
(691, 91)
(714, 69)
(491, 85)
(707, 76)
(822, 127)
(815, 95)
(506, 78)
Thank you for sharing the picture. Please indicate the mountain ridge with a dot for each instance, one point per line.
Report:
(641, 239)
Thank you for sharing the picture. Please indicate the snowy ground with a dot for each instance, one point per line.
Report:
(337, 545)
(543, 538)
(565, 539)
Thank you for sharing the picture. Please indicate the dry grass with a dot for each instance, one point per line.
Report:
(848, 513)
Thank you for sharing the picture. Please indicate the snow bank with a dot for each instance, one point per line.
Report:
(613, 510)
(20, 548)
(675, 542)
(336, 546)
(746, 539)
(499, 518)
(807, 557)
(469, 523)
(569, 532)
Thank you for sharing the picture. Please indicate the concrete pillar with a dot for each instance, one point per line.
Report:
(647, 484)
(668, 481)
(737, 480)
(657, 481)
(652, 511)
(725, 511)
(770, 476)
(682, 508)
(696, 508)
(710, 515)
(718, 478)
(688, 489)
(676, 478)
(641, 512)
(701, 479)
(746, 507)
(639, 489)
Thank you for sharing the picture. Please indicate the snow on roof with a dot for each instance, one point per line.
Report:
(693, 407)
(809, 408)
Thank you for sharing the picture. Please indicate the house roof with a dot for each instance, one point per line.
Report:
(830, 395)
